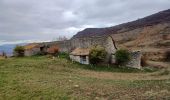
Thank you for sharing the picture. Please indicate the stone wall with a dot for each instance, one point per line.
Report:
(86, 42)
(135, 61)
(32, 52)
(64, 46)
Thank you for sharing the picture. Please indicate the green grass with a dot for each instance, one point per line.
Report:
(42, 78)
(165, 72)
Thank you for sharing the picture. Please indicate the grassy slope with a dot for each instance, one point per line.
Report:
(44, 78)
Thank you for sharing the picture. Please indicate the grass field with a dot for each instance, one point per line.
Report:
(42, 78)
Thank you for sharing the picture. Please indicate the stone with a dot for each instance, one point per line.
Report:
(76, 86)
(135, 61)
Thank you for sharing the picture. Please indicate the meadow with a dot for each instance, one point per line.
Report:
(44, 78)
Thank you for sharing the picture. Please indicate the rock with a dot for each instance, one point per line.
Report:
(76, 86)
(96, 98)
(70, 80)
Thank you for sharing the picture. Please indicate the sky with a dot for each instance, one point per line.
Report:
(46, 20)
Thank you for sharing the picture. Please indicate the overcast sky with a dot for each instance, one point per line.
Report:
(44, 20)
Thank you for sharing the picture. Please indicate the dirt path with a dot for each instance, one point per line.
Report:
(125, 76)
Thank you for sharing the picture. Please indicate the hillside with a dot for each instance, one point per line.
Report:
(161, 17)
(42, 78)
(151, 35)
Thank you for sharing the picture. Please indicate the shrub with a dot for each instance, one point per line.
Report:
(19, 51)
(97, 55)
(122, 56)
(40, 53)
(63, 55)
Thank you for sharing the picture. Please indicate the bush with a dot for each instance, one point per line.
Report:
(63, 55)
(19, 51)
(122, 56)
(40, 53)
(97, 55)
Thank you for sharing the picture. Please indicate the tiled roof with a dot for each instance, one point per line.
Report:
(80, 52)
(31, 46)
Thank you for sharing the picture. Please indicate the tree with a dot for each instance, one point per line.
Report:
(97, 55)
(19, 51)
(122, 56)
(61, 38)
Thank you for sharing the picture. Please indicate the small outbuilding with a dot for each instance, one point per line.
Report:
(80, 55)
(33, 49)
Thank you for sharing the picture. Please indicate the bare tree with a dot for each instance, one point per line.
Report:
(61, 38)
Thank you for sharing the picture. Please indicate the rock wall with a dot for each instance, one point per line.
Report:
(135, 61)
(86, 42)
(32, 52)
(64, 46)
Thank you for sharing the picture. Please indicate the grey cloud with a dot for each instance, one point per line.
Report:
(46, 19)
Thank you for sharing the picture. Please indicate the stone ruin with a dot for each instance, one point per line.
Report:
(135, 61)
(106, 41)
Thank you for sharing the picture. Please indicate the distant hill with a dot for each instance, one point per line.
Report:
(161, 17)
(8, 48)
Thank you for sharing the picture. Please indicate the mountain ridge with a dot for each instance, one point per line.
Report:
(160, 17)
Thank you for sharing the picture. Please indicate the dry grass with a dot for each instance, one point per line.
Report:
(41, 78)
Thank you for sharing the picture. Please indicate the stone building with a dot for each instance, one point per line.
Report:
(110, 46)
(135, 61)
(78, 48)
(34, 48)
(80, 55)
(64, 46)
(105, 41)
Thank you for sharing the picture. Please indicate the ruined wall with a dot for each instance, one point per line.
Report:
(64, 46)
(86, 42)
(135, 61)
(32, 52)
(110, 45)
